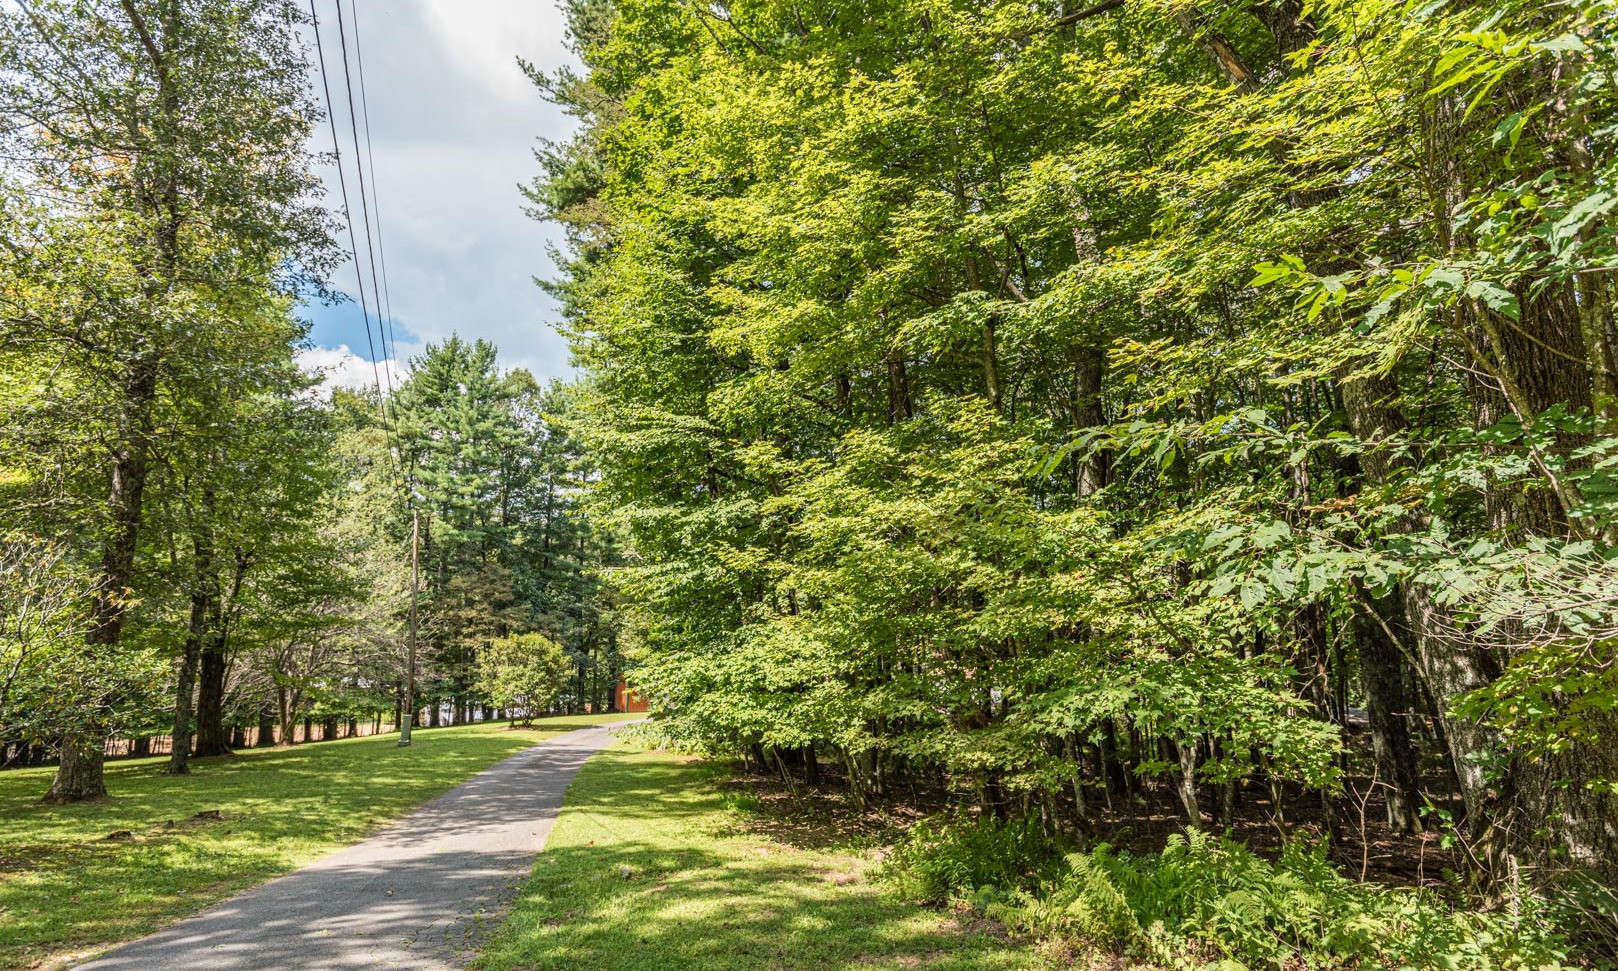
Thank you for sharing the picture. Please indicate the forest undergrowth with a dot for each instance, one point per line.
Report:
(1137, 889)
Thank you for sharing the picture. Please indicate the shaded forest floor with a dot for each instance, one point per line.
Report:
(663, 861)
(655, 863)
(76, 878)
(1361, 842)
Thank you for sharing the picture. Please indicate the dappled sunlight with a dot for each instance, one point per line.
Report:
(647, 868)
(280, 808)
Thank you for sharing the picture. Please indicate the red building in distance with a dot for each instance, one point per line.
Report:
(629, 700)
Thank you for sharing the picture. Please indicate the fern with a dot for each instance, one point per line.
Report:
(1207, 902)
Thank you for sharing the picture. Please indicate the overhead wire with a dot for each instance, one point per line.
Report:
(348, 216)
(376, 200)
(359, 166)
(383, 324)
(380, 293)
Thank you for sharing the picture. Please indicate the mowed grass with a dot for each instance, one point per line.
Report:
(648, 868)
(66, 889)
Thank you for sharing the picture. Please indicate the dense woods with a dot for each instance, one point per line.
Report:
(198, 542)
(1083, 410)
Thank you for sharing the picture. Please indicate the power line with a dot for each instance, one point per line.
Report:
(376, 200)
(409, 714)
(359, 166)
(342, 185)
(353, 239)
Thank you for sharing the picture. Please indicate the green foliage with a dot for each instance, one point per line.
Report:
(51, 682)
(942, 858)
(488, 462)
(1209, 902)
(952, 431)
(523, 673)
(157, 224)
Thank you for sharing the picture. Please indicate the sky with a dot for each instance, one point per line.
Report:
(453, 125)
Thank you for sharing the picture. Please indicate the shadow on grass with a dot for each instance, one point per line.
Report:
(413, 895)
(425, 912)
(648, 870)
(62, 884)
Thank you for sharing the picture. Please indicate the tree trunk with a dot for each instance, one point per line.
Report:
(186, 680)
(212, 733)
(898, 390)
(1113, 773)
(286, 709)
(1090, 475)
(212, 738)
(79, 774)
(1382, 674)
(1186, 788)
(1449, 670)
(266, 728)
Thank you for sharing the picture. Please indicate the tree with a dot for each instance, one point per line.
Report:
(1001, 393)
(522, 673)
(504, 545)
(168, 137)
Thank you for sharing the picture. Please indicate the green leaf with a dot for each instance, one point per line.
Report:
(1495, 297)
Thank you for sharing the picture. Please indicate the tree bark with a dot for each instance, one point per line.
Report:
(286, 708)
(185, 688)
(899, 407)
(212, 737)
(1186, 788)
(186, 678)
(1449, 670)
(79, 776)
(1382, 675)
(1090, 475)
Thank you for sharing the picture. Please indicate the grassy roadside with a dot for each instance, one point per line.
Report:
(66, 888)
(649, 868)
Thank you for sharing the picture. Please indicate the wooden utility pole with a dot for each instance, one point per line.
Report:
(409, 719)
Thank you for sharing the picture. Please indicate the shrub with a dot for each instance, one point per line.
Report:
(942, 857)
(1209, 902)
(523, 673)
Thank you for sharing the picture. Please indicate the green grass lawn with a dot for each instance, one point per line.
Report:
(649, 867)
(65, 888)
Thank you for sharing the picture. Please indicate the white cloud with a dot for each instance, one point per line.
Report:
(340, 367)
(484, 34)
(453, 124)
